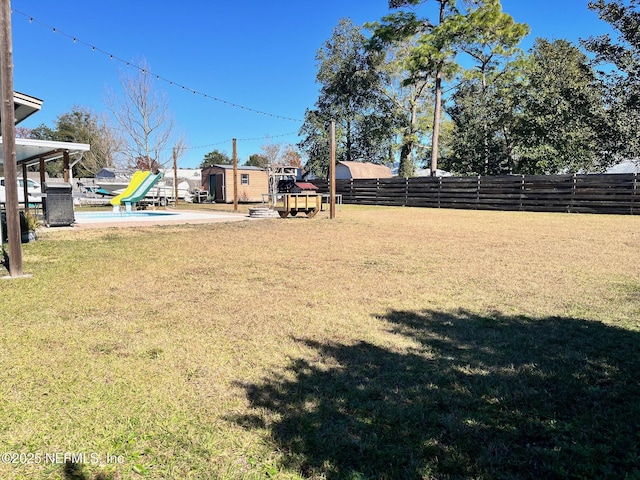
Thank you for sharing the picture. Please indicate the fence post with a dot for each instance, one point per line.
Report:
(406, 191)
(478, 192)
(634, 193)
(522, 188)
(332, 170)
(573, 194)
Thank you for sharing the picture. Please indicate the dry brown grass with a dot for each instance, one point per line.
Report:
(146, 342)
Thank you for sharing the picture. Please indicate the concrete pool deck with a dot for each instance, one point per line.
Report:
(85, 220)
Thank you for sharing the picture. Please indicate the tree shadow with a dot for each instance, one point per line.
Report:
(76, 471)
(475, 397)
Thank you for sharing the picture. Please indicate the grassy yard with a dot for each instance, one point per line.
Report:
(389, 343)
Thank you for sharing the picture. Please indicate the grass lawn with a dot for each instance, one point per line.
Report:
(389, 343)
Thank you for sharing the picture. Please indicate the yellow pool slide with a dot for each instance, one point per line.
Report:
(136, 180)
(140, 184)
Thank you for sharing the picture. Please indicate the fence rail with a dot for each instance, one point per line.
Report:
(604, 193)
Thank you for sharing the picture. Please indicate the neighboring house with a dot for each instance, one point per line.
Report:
(625, 166)
(348, 170)
(252, 183)
(426, 172)
(106, 173)
(193, 176)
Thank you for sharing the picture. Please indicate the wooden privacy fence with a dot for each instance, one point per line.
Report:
(605, 193)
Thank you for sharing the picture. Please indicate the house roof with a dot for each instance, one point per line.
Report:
(29, 151)
(188, 173)
(109, 172)
(426, 172)
(367, 170)
(625, 166)
(240, 167)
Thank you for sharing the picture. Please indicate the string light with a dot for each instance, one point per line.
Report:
(229, 140)
(266, 137)
(158, 77)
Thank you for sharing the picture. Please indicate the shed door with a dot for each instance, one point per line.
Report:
(213, 184)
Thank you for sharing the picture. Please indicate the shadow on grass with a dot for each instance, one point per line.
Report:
(478, 397)
(75, 471)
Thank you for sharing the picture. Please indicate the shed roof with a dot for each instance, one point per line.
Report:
(240, 167)
(306, 186)
(367, 170)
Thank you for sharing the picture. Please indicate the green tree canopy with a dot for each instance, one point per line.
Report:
(81, 125)
(351, 93)
(560, 127)
(478, 28)
(619, 61)
(410, 98)
(483, 117)
(257, 160)
(431, 58)
(216, 157)
(483, 110)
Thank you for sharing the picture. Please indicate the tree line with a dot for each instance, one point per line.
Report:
(457, 92)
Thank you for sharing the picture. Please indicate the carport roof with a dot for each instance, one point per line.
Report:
(29, 151)
(24, 106)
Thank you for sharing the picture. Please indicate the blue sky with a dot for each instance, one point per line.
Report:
(256, 54)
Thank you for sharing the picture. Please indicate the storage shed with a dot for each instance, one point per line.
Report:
(218, 181)
(348, 170)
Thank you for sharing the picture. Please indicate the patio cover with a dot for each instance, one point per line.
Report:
(29, 151)
(24, 106)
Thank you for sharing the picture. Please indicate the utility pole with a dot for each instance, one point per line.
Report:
(9, 141)
(235, 177)
(438, 106)
(332, 172)
(175, 174)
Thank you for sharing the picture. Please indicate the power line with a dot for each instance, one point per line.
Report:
(158, 77)
(266, 137)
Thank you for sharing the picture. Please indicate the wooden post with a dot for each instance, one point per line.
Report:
(42, 170)
(66, 170)
(235, 177)
(25, 187)
(175, 174)
(9, 141)
(332, 172)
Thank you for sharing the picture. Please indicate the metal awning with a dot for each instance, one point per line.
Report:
(29, 151)
(24, 106)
